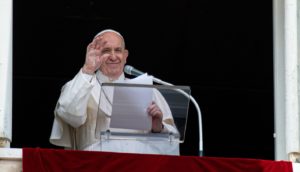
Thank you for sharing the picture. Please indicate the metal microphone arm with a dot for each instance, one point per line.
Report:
(197, 108)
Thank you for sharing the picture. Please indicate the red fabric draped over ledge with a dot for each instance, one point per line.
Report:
(57, 160)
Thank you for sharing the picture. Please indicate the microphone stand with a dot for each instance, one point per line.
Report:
(197, 108)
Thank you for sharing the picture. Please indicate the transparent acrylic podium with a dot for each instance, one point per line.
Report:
(122, 112)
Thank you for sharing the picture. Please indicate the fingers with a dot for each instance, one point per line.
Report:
(96, 44)
(156, 114)
(99, 42)
(93, 55)
(154, 111)
(90, 46)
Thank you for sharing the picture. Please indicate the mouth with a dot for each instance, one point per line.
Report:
(113, 65)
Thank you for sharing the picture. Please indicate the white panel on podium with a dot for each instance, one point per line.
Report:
(124, 106)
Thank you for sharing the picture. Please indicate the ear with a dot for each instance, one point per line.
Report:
(126, 53)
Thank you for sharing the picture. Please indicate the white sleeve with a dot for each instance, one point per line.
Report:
(73, 100)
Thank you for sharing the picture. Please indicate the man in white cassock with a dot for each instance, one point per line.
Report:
(77, 116)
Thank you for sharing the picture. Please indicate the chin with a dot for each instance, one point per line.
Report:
(116, 72)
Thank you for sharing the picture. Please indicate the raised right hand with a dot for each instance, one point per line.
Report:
(93, 59)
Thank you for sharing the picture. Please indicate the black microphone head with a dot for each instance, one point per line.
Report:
(128, 69)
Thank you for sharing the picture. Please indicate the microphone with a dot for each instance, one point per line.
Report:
(132, 71)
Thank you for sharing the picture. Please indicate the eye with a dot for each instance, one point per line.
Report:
(118, 50)
(105, 50)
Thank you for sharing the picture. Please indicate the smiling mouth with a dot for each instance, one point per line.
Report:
(113, 64)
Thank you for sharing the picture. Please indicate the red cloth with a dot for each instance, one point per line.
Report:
(57, 160)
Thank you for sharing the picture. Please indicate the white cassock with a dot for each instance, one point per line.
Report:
(77, 119)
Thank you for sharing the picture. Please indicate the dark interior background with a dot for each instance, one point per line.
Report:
(223, 50)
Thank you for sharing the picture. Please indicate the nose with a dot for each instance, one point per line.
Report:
(113, 55)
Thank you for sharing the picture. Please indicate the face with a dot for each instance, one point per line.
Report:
(114, 55)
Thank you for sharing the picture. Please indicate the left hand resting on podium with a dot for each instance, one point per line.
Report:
(157, 116)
